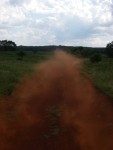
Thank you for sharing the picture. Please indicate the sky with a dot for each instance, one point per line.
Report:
(57, 22)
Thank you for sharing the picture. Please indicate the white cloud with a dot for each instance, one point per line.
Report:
(42, 22)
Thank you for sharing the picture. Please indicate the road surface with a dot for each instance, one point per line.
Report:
(57, 109)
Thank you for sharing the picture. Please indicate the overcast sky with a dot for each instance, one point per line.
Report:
(57, 22)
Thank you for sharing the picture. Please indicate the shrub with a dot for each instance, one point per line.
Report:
(95, 58)
(21, 54)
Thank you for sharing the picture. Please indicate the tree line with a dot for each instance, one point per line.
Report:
(6, 45)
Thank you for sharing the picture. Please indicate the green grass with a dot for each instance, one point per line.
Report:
(12, 69)
(101, 74)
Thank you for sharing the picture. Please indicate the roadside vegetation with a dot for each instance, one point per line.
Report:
(14, 65)
(18, 61)
(101, 74)
(98, 66)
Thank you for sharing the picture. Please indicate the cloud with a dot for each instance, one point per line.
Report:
(45, 22)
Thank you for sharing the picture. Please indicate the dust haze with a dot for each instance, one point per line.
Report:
(57, 108)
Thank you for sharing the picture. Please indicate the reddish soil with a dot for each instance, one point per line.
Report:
(56, 109)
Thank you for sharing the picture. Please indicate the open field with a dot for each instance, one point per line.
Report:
(56, 108)
(12, 69)
(101, 74)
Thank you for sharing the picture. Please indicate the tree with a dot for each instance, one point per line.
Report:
(109, 49)
(7, 45)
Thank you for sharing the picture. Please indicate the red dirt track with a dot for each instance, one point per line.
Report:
(56, 109)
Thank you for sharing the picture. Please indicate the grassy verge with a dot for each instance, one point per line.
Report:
(101, 74)
(12, 69)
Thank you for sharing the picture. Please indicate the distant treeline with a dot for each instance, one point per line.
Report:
(86, 51)
(6, 45)
(36, 48)
(10, 45)
(72, 49)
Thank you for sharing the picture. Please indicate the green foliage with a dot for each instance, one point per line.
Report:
(96, 58)
(12, 70)
(7, 45)
(109, 49)
(86, 52)
(101, 74)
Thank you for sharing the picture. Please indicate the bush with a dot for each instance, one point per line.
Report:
(21, 54)
(95, 58)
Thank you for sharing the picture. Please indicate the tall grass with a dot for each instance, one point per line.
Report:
(12, 69)
(101, 74)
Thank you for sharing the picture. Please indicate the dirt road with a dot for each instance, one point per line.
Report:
(57, 109)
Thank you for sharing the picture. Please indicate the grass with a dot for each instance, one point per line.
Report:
(101, 74)
(12, 69)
